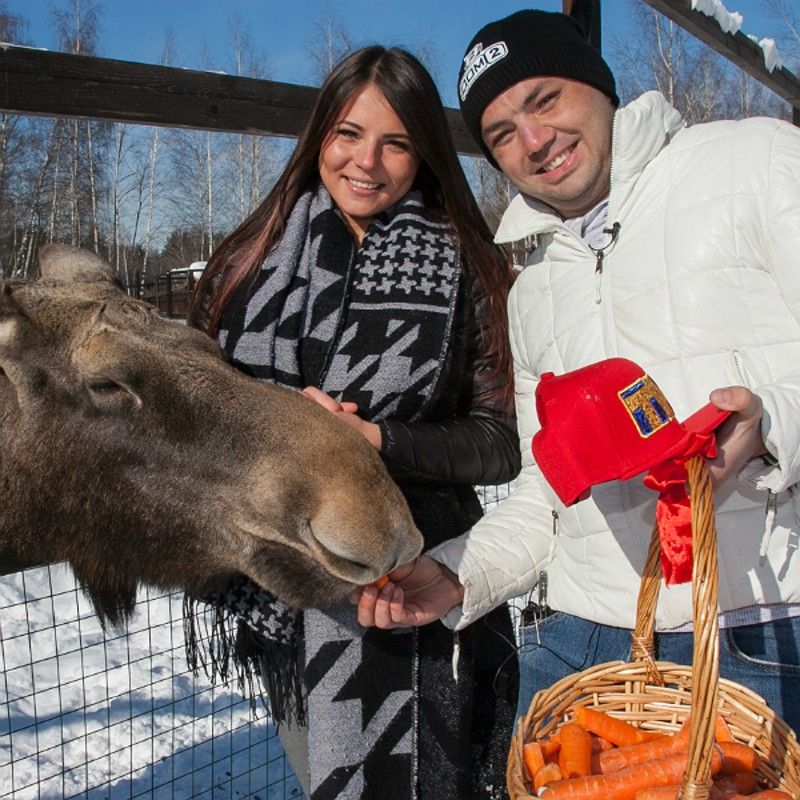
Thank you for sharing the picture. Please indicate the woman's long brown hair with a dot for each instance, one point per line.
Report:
(410, 90)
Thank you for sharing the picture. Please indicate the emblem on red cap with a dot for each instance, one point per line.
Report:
(647, 406)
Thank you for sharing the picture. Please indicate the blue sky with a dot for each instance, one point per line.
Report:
(134, 30)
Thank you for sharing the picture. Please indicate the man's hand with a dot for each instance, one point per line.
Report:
(416, 594)
(347, 413)
(739, 438)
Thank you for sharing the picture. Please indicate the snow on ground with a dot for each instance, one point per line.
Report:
(89, 715)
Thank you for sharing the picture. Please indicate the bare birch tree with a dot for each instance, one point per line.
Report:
(696, 80)
(168, 53)
(76, 28)
(329, 42)
(12, 150)
(787, 16)
(249, 151)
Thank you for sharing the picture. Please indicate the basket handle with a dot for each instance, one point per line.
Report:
(705, 658)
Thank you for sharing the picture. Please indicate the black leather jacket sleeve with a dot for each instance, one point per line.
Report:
(478, 445)
(476, 450)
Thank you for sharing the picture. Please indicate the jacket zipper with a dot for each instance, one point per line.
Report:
(747, 372)
(552, 547)
(600, 254)
(613, 231)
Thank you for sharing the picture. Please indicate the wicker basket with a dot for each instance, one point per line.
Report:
(657, 695)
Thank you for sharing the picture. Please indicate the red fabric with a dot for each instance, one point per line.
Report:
(674, 511)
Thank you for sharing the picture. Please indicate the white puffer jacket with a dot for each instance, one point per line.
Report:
(701, 289)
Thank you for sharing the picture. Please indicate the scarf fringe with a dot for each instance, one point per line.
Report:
(225, 648)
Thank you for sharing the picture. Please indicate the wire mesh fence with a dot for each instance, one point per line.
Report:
(88, 713)
(91, 714)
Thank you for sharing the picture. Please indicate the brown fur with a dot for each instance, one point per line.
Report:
(130, 449)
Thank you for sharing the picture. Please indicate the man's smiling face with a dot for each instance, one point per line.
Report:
(552, 138)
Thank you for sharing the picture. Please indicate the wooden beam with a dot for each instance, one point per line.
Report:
(738, 48)
(41, 82)
(587, 13)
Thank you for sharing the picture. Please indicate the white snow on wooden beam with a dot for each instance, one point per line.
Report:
(729, 21)
(772, 58)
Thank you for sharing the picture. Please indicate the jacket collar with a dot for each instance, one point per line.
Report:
(640, 132)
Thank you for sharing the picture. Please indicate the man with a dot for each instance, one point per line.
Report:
(677, 248)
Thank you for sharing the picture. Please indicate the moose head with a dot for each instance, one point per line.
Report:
(132, 450)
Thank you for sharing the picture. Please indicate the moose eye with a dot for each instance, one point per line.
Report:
(104, 386)
(110, 396)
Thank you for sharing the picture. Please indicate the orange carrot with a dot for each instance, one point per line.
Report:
(550, 748)
(575, 756)
(615, 730)
(381, 582)
(533, 757)
(723, 788)
(624, 784)
(599, 743)
(629, 755)
(722, 733)
(658, 793)
(767, 794)
(738, 758)
(549, 773)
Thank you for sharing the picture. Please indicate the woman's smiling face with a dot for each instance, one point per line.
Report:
(367, 162)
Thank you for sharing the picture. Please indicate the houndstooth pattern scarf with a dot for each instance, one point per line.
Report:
(369, 325)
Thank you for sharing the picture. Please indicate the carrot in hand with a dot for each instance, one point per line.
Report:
(533, 757)
(575, 756)
(615, 730)
(549, 773)
(381, 582)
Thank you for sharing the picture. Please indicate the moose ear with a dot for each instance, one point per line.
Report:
(63, 263)
(10, 316)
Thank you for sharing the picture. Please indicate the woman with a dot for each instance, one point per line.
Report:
(368, 279)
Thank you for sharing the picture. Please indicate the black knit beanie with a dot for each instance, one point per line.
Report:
(524, 45)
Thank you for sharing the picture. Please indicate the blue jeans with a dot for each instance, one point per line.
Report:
(765, 657)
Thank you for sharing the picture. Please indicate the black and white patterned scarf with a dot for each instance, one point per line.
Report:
(369, 325)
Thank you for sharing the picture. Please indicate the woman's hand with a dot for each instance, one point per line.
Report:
(416, 594)
(347, 413)
(739, 438)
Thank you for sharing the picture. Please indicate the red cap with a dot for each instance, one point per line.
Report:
(610, 421)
